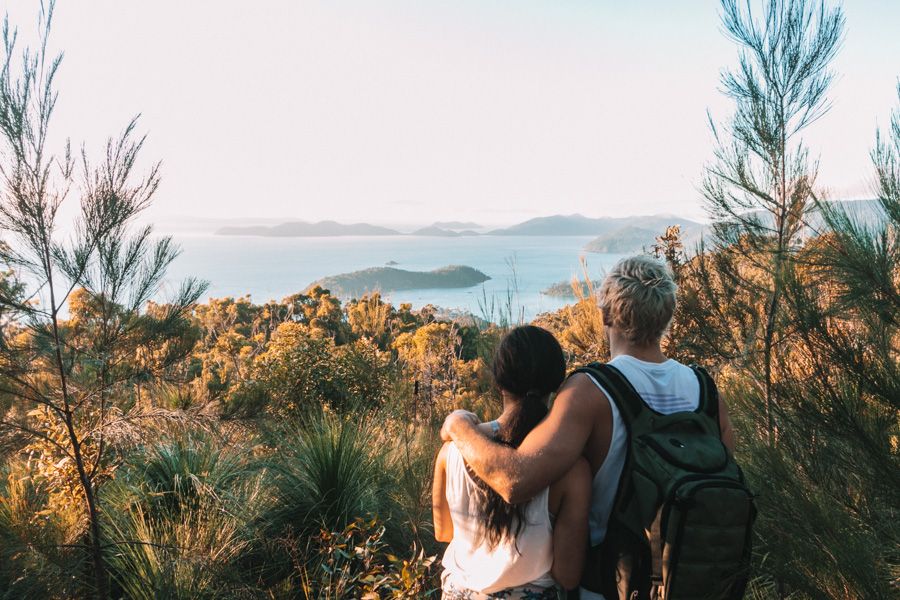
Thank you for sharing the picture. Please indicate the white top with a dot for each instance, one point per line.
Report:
(469, 564)
(667, 388)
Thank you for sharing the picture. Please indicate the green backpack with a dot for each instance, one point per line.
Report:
(680, 527)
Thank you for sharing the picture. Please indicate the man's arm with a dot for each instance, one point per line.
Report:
(725, 429)
(546, 454)
(570, 500)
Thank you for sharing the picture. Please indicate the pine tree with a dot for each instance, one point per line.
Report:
(73, 377)
(761, 183)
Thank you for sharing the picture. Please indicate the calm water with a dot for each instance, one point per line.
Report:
(272, 268)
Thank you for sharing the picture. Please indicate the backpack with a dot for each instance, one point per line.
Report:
(680, 526)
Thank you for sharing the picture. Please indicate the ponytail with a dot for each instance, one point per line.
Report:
(529, 363)
(531, 411)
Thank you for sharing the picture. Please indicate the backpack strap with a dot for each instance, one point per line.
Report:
(709, 395)
(646, 570)
(619, 389)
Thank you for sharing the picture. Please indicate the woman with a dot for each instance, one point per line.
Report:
(499, 550)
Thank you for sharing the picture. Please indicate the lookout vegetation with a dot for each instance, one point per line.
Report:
(173, 448)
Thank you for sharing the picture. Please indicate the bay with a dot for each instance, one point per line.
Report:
(269, 268)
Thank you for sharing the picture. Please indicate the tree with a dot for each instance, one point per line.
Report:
(829, 492)
(761, 183)
(75, 374)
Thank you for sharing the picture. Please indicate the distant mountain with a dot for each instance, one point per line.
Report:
(866, 213)
(556, 225)
(630, 239)
(581, 225)
(623, 240)
(389, 279)
(302, 229)
(456, 225)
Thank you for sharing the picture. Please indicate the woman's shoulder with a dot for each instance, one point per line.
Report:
(451, 460)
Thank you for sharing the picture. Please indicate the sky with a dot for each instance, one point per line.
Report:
(411, 111)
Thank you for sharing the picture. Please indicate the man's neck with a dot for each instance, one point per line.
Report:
(650, 353)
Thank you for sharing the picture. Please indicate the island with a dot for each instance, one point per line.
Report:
(565, 289)
(390, 279)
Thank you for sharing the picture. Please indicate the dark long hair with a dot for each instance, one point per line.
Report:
(530, 365)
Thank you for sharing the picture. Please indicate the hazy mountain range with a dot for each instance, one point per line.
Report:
(613, 235)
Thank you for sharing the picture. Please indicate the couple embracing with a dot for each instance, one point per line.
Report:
(624, 488)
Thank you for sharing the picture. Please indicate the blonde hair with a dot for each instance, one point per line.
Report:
(638, 298)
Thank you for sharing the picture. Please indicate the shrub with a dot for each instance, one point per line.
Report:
(327, 471)
(355, 562)
(301, 372)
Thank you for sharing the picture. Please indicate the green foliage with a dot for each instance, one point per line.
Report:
(301, 372)
(328, 470)
(35, 562)
(826, 472)
(410, 462)
(180, 514)
(355, 562)
(193, 555)
(172, 477)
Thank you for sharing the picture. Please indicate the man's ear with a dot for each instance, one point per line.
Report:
(607, 322)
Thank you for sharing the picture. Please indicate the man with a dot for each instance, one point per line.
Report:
(637, 300)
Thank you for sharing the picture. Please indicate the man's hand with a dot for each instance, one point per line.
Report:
(456, 419)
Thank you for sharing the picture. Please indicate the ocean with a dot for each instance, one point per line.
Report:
(265, 268)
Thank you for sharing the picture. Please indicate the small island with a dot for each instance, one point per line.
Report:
(565, 289)
(389, 279)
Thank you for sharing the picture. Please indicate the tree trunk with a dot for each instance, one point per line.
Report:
(768, 343)
(84, 478)
(93, 514)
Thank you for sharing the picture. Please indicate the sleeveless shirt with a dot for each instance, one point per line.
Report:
(666, 387)
(469, 564)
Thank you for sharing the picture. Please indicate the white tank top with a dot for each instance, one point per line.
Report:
(667, 388)
(469, 564)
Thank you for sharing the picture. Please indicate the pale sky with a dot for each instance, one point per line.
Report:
(402, 111)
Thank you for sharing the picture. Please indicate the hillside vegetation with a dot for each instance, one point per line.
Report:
(182, 449)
